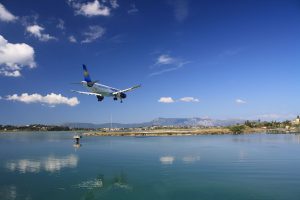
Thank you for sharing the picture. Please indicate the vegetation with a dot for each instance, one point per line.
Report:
(238, 129)
(37, 127)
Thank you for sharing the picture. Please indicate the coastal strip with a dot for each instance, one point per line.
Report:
(174, 132)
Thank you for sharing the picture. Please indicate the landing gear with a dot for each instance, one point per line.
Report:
(115, 98)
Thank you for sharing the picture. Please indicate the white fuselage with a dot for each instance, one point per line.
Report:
(100, 89)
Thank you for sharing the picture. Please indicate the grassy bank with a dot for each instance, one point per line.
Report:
(175, 132)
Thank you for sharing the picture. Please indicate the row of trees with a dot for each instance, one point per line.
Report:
(271, 124)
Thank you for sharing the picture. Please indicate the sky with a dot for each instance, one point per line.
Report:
(220, 59)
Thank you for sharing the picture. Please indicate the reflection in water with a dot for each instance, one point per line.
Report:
(24, 166)
(91, 184)
(167, 160)
(118, 181)
(8, 192)
(242, 155)
(50, 164)
(99, 188)
(190, 159)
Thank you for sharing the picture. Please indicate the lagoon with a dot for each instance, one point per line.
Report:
(37, 165)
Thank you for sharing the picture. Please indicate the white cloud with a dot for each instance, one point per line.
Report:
(61, 24)
(49, 164)
(0, 98)
(93, 34)
(240, 101)
(165, 60)
(114, 3)
(90, 9)
(183, 99)
(133, 9)
(181, 9)
(5, 15)
(167, 160)
(72, 39)
(189, 99)
(13, 57)
(37, 30)
(166, 100)
(50, 99)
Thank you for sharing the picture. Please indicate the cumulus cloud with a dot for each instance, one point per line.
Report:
(36, 31)
(166, 100)
(91, 9)
(133, 9)
(93, 33)
(189, 99)
(72, 39)
(240, 101)
(49, 164)
(14, 57)
(167, 160)
(180, 9)
(183, 99)
(50, 99)
(5, 15)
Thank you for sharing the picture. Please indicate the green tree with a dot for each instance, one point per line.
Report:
(238, 129)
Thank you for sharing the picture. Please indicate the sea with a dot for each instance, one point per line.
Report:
(50, 165)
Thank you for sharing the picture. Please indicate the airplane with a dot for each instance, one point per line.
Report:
(101, 91)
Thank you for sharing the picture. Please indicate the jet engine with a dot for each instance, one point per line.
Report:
(123, 95)
(100, 98)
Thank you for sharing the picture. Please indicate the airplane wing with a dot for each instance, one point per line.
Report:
(126, 90)
(87, 93)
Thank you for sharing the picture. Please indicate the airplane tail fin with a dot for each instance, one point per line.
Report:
(86, 74)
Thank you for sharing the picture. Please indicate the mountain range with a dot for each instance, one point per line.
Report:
(195, 121)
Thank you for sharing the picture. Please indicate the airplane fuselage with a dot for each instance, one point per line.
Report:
(100, 89)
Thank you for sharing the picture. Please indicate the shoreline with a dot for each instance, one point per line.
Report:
(168, 132)
(172, 132)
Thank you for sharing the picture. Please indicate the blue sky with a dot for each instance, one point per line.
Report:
(209, 58)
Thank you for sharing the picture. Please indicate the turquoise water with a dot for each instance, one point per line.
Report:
(48, 166)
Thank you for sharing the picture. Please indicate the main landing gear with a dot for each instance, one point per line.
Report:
(115, 99)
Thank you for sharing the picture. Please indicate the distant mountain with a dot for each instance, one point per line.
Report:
(196, 121)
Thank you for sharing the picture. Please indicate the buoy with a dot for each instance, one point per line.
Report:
(77, 138)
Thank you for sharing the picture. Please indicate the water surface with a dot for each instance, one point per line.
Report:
(48, 166)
